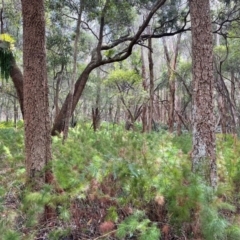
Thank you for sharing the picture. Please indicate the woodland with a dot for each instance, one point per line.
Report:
(119, 119)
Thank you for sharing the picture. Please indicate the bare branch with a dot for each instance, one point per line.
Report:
(88, 28)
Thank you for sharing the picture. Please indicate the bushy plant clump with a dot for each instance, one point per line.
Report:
(121, 185)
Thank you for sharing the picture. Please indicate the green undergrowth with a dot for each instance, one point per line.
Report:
(145, 176)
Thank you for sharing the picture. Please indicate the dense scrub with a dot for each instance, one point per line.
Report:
(113, 184)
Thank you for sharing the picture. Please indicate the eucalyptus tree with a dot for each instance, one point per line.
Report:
(115, 41)
(36, 108)
(204, 140)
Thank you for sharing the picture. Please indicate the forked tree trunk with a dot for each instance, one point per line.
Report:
(36, 112)
(58, 124)
(204, 147)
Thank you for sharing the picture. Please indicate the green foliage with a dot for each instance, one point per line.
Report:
(233, 232)
(11, 235)
(183, 142)
(213, 226)
(11, 143)
(123, 75)
(140, 169)
(171, 16)
(6, 56)
(139, 226)
(113, 12)
(58, 234)
(5, 62)
(185, 68)
(112, 214)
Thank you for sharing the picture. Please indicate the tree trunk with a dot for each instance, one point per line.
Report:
(151, 85)
(172, 63)
(15, 112)
(223, 113)
(233, 104)
(36, 112)
(178, 110)
(58, 79)
(226, 107)
(95, 118)
(165, 106)
(110, 112)
(70, 96)
(58, 125)
(145, 87)
(158, 106)
(204, 146)
(17, 78)
(118, 109)
(96, 115)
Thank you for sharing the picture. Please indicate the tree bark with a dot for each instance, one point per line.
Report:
(96, 114)
(151, 84)
(118, 110)
(172, 64)
(17, 78)
(70, 97)
(58, 78)
(233, 104)
(15, 112)
(36, 107)
(204, 146)
(145, 87)
(58, 125)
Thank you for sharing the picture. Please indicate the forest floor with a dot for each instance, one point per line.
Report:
(87, 220)
(120, 185)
